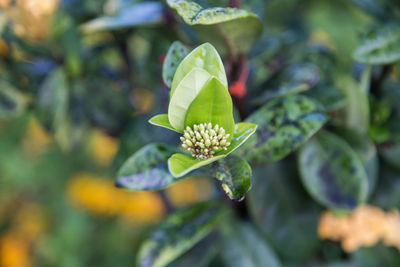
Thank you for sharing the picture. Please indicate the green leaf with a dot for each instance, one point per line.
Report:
(330, 97)
(228, 28)
(181, 164)
(378, 255)
(204, 57)
(186, 92)
(235, 175)
(162, 121)
(146, 13)
(178, 233)
(284, 124)
(244, 246)
(147, 169)
(176, 53)
(12, 102)
(213, 104)
(380, 46)
(390, 152)
(332, 172)
(286, 215)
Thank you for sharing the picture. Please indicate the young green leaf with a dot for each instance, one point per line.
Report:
(178, 233)
(181, 164)
(234, 173)
(332, 172)
(204, 57)
(186, 92)
(162, 121)
(176, 53)
(146, 169)
(213, 104)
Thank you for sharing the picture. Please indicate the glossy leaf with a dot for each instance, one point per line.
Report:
(380, 46)
(176, 53)
(286, 215)
(234, 174)
(332, 172)
(213, 104)
(12, 102)
(162, 121)
(229, 28)
(181, 164)
(244, 246)
(204, 57)
(146, 169)
(146, 13)
(284, 124)
(186, 92)
(178, 233)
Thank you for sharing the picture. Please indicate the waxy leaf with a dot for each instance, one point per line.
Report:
(380, 46)
(178, 233)
(213, 104)
(181, 164)
(12, 102)
(230, 29)
(284, 124)
(234, 174)
(332, 172)
(244, 246)
(204, 57)
(146, 13)
(147, 169)
(186, 92)
(176, 53)
(162, 121)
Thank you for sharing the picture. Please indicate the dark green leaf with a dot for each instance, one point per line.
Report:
(235, 175)
(380, 46)
(176, 53)
(12, 102)
(146, 13)
(178, 233)
(390, 152)
(244, 246)
(376, 256)
(331, 98)
(229, 29)
(147, 169)
(332, 172)
(283, 125)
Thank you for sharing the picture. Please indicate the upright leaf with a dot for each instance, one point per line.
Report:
(283, 125)
(176, 53)
(147, 169)
(178, 233)
(332, 172)
(12, 102)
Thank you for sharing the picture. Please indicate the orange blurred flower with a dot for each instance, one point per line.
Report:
(14, 250)
(36, 139)
(103, 147)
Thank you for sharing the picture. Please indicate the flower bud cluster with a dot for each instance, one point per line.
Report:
(204, 140)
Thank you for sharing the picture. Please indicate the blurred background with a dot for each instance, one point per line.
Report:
(75, 98)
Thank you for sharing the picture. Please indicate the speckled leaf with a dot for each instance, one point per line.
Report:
(162, 121)
(283, 125)
(147, 169)
(146, 13)
(380, 46)
(332, 172)
(204, 57)
(284, 213)
(185, 94)
(330, 97)
(213, 104)
(228, 28)
(178, 233)
(176, 53)
(12, 102)
(181, 164)
(234, 174)
(244, 246)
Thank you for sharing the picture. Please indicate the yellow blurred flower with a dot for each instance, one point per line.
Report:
(142, 100)
(365, 226)
(4, 49)
(189, 191)
(14, 250)
(99, 196)
(36, 139)
(320, 36)
(103, 147)
(31, 18)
